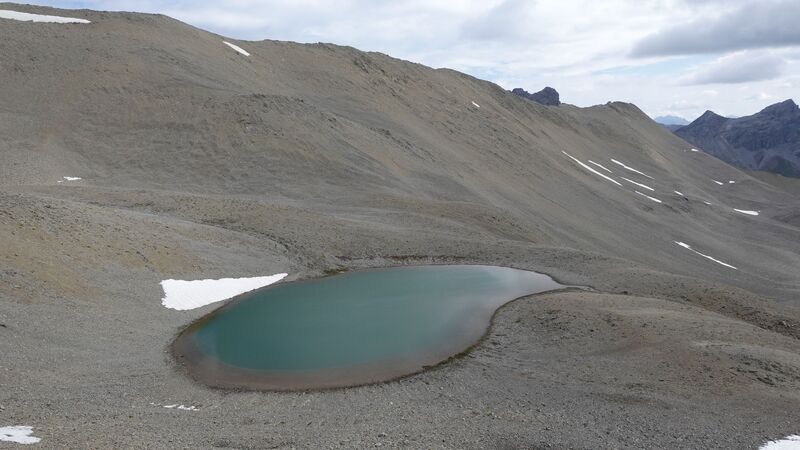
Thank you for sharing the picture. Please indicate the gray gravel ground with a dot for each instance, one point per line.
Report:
(198, 162)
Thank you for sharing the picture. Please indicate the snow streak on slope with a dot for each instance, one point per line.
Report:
(678, 193)
(26, 17)
(718, 182)
(476, 105)
(651, 198)
(600, 166)
(631, 169)
(744, 211)
(639, 184)
(237, 48)
(183, 295)
(592, 170)
(689, 247)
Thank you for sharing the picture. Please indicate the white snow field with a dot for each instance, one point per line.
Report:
(27, 17)
(184, 295)
(18, 434)
(689, 247)
(237, 48)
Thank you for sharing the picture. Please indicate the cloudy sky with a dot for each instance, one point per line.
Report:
(678, 57)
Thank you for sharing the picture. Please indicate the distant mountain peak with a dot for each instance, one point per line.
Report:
(547, 96)
(767, 140)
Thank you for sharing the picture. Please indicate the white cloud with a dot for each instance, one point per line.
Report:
(739, 67)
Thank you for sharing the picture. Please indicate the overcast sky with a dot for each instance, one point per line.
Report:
(678, 57)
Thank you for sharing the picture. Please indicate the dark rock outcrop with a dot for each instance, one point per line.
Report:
(768, 140)
(547, 96)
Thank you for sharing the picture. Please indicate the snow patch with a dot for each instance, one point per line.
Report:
(184, 295)
(73, 178)
(718, 182)
(731, 182)
(787, 443)
(177, 406)
(631, 168)
(678, 193)
(476, 105)
(651, 198)
(639, 184)
(689, 247)
(591, 170)
(27, 17)
(18, 434)
(744, 211)
(707, 203)
(694, 150)
(237, 48)
(600, 166)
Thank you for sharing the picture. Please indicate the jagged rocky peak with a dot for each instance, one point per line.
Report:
(786, 107)
(547, 96)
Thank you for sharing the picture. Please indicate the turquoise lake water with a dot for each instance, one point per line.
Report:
(354, 328)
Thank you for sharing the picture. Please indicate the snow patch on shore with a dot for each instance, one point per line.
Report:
(788, 443)
(177, 406)
(18, 434)
(631, 169)
(689, 247)
(183, 295)
(41, 18)
(694, 150)
(237, 48)
(591, 170)
(744, 211)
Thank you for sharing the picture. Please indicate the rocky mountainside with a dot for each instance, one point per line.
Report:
(547, 96)
(768, 140)
(137, 149)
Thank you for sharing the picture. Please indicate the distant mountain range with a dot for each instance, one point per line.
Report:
(768, 140)
(671, 120)
(547, 96)
(672, 123)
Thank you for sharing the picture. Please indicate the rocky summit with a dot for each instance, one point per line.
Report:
(547, 96)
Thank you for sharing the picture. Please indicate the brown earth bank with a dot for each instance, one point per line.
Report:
(198, 162)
